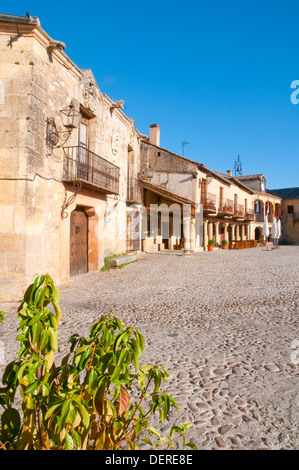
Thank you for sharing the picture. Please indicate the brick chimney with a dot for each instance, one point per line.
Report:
(229, 172)
(154, 134)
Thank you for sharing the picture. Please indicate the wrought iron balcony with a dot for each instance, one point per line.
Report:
(259, 217)
(249, 215)
(239, 211)
(91, 169)
(226, 207)
(209, 203)
(134, 191)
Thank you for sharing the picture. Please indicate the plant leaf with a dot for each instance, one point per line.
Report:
(32, 288)
(124, 400)
(84, 414)
(69, 442)
(11, 421)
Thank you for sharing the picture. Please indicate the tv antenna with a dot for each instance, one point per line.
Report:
(238, 167)
(183, 145)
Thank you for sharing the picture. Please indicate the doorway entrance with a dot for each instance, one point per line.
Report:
(258, 233)
(78, 242)
(133, 230)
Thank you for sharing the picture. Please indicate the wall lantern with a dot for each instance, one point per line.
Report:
(70, 117)
(58, 134)
(209, 178)
(149, 173)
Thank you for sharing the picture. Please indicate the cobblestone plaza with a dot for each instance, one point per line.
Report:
(225, 326)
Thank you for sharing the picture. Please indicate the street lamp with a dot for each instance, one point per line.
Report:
(209, 178)
(71, 116)
(57, 135)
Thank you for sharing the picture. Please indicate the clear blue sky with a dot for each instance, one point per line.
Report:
(215, 74)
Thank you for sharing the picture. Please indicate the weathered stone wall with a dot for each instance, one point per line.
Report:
(181, 183)
(35, 85)
(290, 222)
(163, 160)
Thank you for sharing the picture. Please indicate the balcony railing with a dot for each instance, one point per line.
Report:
(259, 217)
(134, 191)
(209, 203)
(249, 214)
(227, 207)
(91, 169)
(239, 210)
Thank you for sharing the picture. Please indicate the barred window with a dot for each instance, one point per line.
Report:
(290, 209)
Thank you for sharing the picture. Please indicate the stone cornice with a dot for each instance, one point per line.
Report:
(19, 29)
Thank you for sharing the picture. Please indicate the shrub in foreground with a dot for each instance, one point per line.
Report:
(97, 398)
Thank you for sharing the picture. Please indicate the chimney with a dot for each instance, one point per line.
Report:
(229, 172)
(154, 134)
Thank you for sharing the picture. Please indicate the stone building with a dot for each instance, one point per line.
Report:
(78, 181)
(233, 208)
(290, 216)
(69, 162)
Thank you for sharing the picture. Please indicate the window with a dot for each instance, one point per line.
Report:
(290, 209)
(203, 190)
(83, 134)
(220, 198)
(235, 202)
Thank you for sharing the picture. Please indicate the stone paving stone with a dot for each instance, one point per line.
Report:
(234, 312)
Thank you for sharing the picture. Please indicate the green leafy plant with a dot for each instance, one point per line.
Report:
(106, 266)
(95, 399)
(211, 242)
(126, 264)
(224, 242)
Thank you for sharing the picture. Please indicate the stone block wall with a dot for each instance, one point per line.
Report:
(35, 84)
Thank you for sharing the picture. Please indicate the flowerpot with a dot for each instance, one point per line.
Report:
(224, 247)
(210, 247)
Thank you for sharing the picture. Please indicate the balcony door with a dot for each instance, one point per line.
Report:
(221, 199)
(83, 154)
(235, 203)
(203, 190)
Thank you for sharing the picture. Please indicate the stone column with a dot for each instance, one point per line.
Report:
(237, 233)
(242, 232)
(233, 233)
(198, 226)
(216, 224)
(205, 234)
(248, 232)
(187, 234)
(192, 240)
(210, 231)
(225, 232)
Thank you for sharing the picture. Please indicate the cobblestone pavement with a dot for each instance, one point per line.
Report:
(223, 324)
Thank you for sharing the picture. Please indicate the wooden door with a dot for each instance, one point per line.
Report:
(133, 231)
(79, 242)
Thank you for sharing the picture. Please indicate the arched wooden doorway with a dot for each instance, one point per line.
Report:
(78, 242)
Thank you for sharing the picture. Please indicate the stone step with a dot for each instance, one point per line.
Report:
(119, 260)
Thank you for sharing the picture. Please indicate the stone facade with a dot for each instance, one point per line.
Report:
(290, 216)
(38, 80)
(233, 208)
(77, 179)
